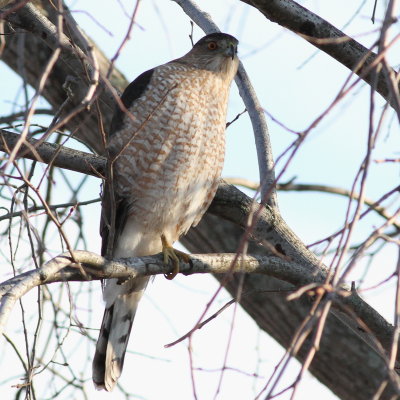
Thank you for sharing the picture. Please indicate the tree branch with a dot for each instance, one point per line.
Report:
(63, 268)
(310, 187)
(51, 207)
(275, 316)
(59, 156)
(69, 79)
(323, 35)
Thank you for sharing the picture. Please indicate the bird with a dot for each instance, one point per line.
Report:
(165, 149)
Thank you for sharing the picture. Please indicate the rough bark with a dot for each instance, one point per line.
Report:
(27, 49)
(345, 363)
(326, 37)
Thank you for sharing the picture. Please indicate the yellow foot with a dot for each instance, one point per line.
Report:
(173, 255)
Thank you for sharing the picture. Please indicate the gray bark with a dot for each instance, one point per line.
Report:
(345, 363)
(327, 38)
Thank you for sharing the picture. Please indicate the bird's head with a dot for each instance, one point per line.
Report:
(215, 52)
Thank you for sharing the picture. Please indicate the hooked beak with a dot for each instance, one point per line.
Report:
(231, 50)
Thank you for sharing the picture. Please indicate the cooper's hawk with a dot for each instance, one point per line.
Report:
(166, 152)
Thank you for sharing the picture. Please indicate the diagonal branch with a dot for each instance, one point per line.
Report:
(323, 35)
(71, 77)
(311, 187)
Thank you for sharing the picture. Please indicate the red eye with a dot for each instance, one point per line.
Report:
(212, 45)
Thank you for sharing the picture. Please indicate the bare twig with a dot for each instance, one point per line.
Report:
(24, 134)
(310, 187)
(201, 324)
(127, 37)
(51, 207)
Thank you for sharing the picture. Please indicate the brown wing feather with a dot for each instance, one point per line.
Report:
(110, 199)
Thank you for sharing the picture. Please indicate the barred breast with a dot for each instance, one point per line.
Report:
(172, 145)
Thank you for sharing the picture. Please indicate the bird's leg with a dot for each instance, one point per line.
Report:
(173, 255)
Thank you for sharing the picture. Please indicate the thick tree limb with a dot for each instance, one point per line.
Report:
(59, 156)
(341, 348)
(68, 82)
(323, 35)
(63, 268)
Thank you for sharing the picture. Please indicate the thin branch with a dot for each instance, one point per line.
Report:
(8, 119)
(391, 76)
(51, 207)
(132, 21)
(310, 187)
(201, 324)
(43, 79)
(17, 352)
(396, 333)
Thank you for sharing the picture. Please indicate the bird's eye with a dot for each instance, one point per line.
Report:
(212, 45)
